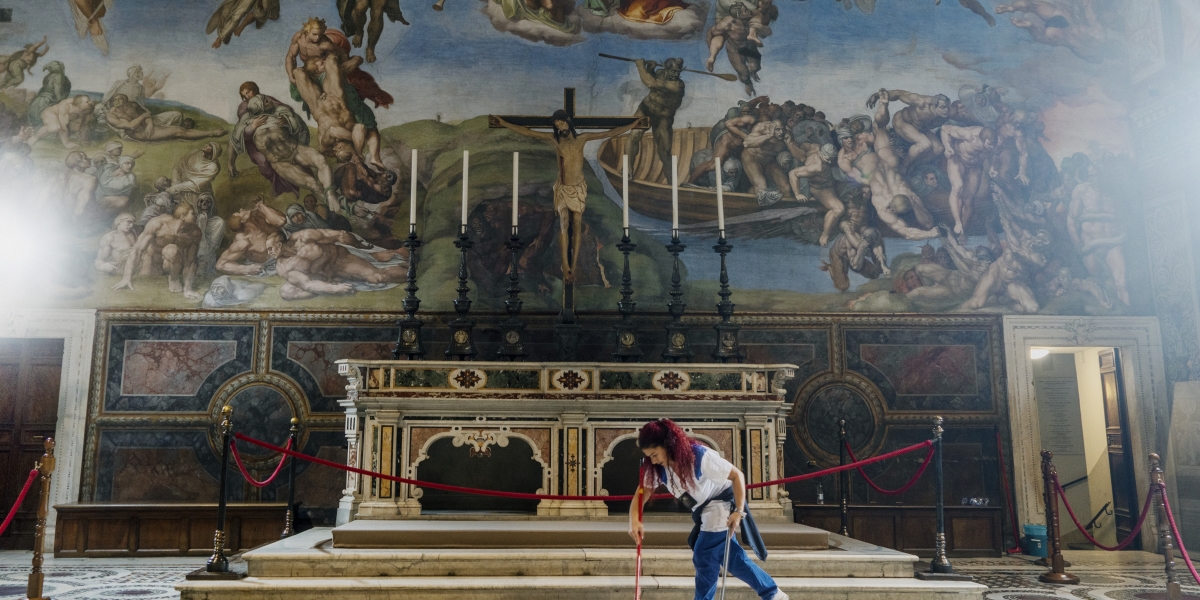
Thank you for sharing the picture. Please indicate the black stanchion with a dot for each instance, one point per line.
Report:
(289, 522)
(940, 567)
(218, 563)
(843, 479)
(1165, 539)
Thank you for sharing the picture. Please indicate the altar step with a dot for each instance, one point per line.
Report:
(309, 567)
(560, 588)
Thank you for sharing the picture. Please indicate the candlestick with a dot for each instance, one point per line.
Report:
(466, 165)
(625, 191)
(462, 347)
(512, 329)
(627, 349)
(516, 188)
(678, 349)
(720, 204)
(412, 195)
(674, 192)
(409, 342)
(727, 349)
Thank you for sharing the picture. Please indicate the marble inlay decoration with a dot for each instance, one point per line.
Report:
(162, 368)
(925, 370)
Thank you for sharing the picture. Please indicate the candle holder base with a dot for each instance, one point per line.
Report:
(679, 348)
(512, 329)
(462, 345)
(409, 341)
(727, 350)
(627, 349)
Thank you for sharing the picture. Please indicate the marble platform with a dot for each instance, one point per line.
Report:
(543, 533)
(309, 566)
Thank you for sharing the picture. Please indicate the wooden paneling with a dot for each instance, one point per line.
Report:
(30, 370)
(971, 531)
(161, 529)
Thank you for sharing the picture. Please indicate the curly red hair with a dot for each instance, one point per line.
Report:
(664, 433)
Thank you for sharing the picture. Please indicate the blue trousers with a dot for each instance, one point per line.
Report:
(707, 557)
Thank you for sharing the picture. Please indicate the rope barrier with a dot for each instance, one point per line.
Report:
(525, 496)
(637, 577)
(1187, 560)
(237, 458)
(1132, 534)
(12, 513)
(901, 489)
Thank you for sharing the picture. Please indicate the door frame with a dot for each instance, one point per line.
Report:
(77, 329)
(1144, 376)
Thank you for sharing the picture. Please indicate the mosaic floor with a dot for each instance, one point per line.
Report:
(1103, 576)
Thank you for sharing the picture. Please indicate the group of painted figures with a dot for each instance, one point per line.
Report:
(1051, 230)
(336, 245)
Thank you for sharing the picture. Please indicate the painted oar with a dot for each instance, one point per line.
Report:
(725, 76)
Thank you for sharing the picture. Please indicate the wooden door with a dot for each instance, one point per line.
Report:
(1120, 455)
(29, 376)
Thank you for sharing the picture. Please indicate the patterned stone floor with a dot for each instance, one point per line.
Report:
(1103, 576)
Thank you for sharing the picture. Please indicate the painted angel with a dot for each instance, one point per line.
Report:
(232, 16)
(87, 15)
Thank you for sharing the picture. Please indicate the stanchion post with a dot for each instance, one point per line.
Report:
(289, 520)
(843, 479)
(218, 563)
(1054, 556)
(45, 467)
(940, 567)
(1166, 540)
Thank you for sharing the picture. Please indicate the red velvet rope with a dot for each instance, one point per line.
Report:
(1187, 560)
(901, 489)
(637, 577)
(237, 458)
(1132, 534)
(20, 499)
(1012, 509)
(524, 496)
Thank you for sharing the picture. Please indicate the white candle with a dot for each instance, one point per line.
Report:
(516, 187)
(466, 164)
(720, 203)
(412, 195)
(674, 193)
(625, 191)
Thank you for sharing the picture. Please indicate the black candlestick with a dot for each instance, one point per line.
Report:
(678, 348)
(512, 329)
(727, 349)
(461, 345)
(409, 342)
(627, 349)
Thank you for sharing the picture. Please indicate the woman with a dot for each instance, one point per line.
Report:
(719, 490)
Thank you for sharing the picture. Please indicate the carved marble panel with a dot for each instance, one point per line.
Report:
(307, 354)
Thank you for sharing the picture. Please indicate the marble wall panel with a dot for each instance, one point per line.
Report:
(172, 367)
(156, 466)
(925, 370)
(307, 355)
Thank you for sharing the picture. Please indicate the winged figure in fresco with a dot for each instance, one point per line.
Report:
(354, 20)
(233, 16)
(87, 15)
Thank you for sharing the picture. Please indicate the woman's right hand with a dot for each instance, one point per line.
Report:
(637, 531)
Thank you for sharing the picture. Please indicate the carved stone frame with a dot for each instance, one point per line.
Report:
(1145, 381)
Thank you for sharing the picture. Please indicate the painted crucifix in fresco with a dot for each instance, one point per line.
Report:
(570, 188)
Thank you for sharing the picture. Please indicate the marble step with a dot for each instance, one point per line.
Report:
(310, 554)
(549, 533)
(558, 588)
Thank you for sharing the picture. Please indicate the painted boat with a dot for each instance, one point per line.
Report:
(650, 188)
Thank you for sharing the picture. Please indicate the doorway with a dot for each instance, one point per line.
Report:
(1084, 420)
(30, 375)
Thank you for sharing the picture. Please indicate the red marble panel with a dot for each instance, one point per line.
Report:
(172, 368)
(318, 359)
(925, 369)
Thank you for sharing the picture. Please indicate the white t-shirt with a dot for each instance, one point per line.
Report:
(714, 478)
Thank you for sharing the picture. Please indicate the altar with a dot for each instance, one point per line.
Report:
(572, 417)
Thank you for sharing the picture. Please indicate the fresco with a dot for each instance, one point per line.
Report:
(879, 156)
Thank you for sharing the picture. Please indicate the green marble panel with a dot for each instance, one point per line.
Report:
(625, 380)
(514, 380)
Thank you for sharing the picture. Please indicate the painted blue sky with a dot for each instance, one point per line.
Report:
(456, 65)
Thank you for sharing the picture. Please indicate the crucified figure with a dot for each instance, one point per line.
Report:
(570, 188)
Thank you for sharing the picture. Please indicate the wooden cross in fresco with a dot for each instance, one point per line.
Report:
(532, 122)
(569, 106)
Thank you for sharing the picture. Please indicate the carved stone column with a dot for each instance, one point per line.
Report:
(348, 505)
(380, 495)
